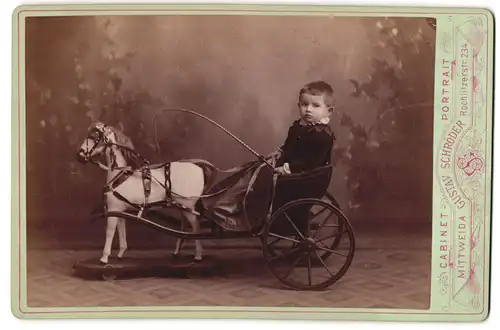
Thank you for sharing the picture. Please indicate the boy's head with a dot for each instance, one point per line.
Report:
(316, 101)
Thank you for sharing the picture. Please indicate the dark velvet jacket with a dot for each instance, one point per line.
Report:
(307, 147)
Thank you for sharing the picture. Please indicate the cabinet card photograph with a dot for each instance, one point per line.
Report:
(251, 161)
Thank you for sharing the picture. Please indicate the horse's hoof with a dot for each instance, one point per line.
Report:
(198, 259)
(120, 255)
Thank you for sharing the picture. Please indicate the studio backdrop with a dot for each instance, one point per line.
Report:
(245, 73)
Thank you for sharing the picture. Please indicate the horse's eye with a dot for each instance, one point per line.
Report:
(94, 135)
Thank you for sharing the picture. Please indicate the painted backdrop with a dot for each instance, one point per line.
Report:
(245, 73)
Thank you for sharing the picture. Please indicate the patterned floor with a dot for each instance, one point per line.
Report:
(377, 278)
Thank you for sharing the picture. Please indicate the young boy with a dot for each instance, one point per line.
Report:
(307, 147)
(310, 140)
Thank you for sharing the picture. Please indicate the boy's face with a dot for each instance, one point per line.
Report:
(313, 108)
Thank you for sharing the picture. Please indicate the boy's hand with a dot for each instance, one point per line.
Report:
(282, 169)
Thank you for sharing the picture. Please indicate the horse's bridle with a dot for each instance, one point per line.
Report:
(96, 135)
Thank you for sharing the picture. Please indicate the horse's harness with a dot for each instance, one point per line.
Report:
(126, 171)
(145, 170)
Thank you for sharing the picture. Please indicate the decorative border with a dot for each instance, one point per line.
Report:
(462, 165)
(462, 179)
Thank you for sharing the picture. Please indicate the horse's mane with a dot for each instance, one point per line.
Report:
(123, 140)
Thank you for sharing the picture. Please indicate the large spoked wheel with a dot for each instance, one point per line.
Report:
(325, 220)
(295, 254)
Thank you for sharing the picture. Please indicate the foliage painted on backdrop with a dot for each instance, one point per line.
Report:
(398, 88)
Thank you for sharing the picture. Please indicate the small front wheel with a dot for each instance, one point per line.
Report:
(295, 254)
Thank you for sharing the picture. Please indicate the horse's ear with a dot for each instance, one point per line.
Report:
(97, 125)
(108, 132)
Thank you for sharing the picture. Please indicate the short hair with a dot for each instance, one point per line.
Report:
(319, 88)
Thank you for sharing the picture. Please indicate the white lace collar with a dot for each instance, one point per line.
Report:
(324, 121)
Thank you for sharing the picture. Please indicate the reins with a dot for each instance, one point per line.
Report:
(147, 166)
(211, 121)
(128, 168)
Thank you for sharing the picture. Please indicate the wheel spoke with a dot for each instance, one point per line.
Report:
(294, 263)
(270, 245)
(323, 210)
(293, 225)
(330, 236)
(322, 224)
(325, 225)
(289, 253)
(283, 237)
(324, 265)
(275, 241)
(324, 248)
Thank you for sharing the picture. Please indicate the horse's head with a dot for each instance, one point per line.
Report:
(99, 137)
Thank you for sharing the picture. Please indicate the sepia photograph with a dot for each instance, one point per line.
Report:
(229, 160)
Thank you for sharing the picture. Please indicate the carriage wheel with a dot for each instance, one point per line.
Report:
(325, 220)
(295, 254)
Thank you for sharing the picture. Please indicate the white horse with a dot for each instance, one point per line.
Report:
(187, 183)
